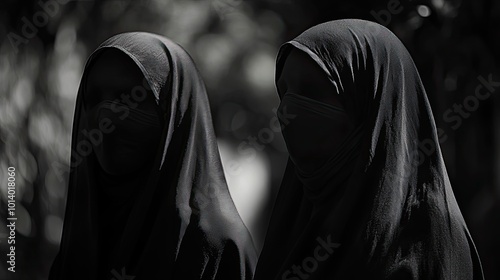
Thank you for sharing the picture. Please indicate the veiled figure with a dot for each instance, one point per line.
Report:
(147, 196)
(360, 198)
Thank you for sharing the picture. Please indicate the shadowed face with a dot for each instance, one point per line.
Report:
(122, 110)
(320, 124)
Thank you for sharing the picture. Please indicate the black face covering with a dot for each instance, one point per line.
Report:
(374, 206)
(130, 140)
(315, 133)
(150, 201)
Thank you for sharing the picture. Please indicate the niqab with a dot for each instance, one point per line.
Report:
(378, 207)
(178, 221)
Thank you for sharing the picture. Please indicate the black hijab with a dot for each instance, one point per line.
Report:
(378, 207)
(177, 220)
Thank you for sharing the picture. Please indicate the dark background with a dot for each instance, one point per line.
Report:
(454, 44)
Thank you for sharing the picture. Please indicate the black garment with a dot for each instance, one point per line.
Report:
(380, 207)
(179, 221)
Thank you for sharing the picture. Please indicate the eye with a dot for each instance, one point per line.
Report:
(93, 95)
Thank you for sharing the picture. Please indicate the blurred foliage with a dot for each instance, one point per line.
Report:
(234, 43)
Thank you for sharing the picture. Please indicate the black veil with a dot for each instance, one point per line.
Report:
(381, 207)
(181, 222)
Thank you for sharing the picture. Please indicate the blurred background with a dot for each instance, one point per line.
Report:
(44, 46)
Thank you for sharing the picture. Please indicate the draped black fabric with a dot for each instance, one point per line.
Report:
(381, 206)
(177, 221)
